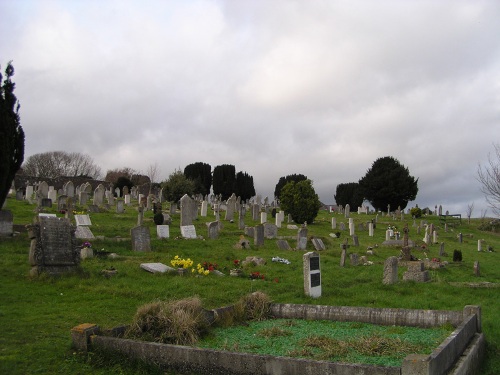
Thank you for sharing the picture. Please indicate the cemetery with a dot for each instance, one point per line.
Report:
(67, 312)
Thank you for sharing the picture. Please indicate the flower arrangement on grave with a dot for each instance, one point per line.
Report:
(86, 245)
(236, 271)
(210, 266)
(257, 276)
(181, 263)
(201, 270)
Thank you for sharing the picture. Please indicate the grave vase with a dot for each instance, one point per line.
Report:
(182, 271)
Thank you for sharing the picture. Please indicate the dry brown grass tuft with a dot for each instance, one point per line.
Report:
(256, 306)
(179, 322)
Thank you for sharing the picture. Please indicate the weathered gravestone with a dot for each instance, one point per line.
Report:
(270, 231)
(84, 233)
(6, 223)
(390, 271)
(318, 244)
(188, 231)
(312, 275)
(230, 207)
(283, 245)
(120, 206)
(354, 259)
(416, 272)
(46, 202)
(258, 235)
(477, 271)
(188, 206)
(157, 268)
(302, 239)
(54, 248)
(93, 208)
(141, 239)
(213, 230)
(83, 220)
(163, 231)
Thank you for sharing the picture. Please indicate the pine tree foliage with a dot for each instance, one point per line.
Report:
(300, 200)
(388, 183)
(224, 180)
(244, 186)
(201, 174)
(11, 134)
(348, 193)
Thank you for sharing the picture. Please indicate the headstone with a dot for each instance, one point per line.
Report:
(99, 195)
(43, 189)
(416, 272)
(140, 215)
(46, 202)
(283, 245)
(120, 209)
(93, 208)
(125, 191)
(255, 212)
(204, 208)
(188, 231)
(460, 238)
(157, 268)
(343, 254)
(187, 208)
(334, 223)
(6, 223)
(479, 245)
(441, 249)
(354, 259)
(258, 235)
(270, 230)
(341, 226)
(347, 211)
(477, 271)
(318, 244)
(163, 231)
(126, 198)
(69, 189)
(83, 220)
(355, 240)
(19, 195)
(312, 275)
(263, 217)
(390, 271)
(141, 239)
(29, 192)
(84, 233)
(241, 218)
(249, 231)
(370, 229)
(213, 230)
(83, 198)
(302, 239)
(231, 207)
(53, 246)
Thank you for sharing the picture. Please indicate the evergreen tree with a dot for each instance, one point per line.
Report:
(11, 134)
(176, 186)
(244, 186)
(224, 180)
(284, 180)
(348, 194)
(388, 182)
(201, 174)
(121, 182)
(300, 200)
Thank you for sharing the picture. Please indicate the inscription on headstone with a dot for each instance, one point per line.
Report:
(188, 231)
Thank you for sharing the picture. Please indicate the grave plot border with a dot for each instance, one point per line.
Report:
(459, 354)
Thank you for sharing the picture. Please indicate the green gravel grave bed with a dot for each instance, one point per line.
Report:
(327, 340)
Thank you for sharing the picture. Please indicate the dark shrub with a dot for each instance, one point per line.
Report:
(158, 218)
(457, 255)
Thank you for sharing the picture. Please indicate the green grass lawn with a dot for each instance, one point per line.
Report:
(37, 314)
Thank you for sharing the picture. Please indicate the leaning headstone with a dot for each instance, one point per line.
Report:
(258, 235)
(163, 231)
(302, 239)
(141, 239)
(188, 231)
(390, 271)
(83, 220)
(318, 244)
(6, 223)
(312, 275)
(84, 233)
(213, 230)
(283, 245)
(230, 207)
(53, 248)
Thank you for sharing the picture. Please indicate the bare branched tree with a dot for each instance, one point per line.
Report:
(470, 209)
(489, 177)
(152, 173)
(55, 164)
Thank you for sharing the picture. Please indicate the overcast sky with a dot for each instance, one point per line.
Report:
(322, 88)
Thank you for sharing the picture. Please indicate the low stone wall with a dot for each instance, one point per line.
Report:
(459, 354)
